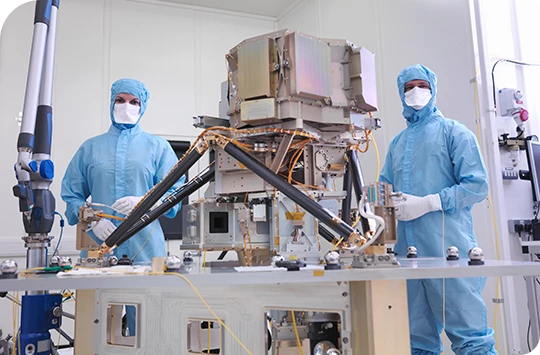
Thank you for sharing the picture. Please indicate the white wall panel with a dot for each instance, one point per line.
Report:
(14, 54)
(178, 52)
(303, 17)
(155, 44)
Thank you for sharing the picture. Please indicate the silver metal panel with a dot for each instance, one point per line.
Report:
(321, 157)
(224, 102)
(338, 97)
(224, 239)
(255, 110)
(325, 116)
(421, 268)
(311, 69)
(240, 182)
(233, 177)
(227, 163)
(254, 69)
(363, 80)
(389, 234)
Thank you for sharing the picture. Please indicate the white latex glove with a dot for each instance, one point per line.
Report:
(411, 207)
(102, 228)
(125, 204)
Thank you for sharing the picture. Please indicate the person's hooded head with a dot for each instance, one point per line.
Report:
(417, 86)
(128, 103)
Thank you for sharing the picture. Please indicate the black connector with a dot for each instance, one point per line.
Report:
(535, 230)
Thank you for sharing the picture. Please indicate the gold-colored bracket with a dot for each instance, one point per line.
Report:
(356, 239)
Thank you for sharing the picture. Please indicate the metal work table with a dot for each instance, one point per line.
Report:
(421, 268)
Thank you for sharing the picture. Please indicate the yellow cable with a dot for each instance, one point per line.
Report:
(208, 307)
(13, 315)
(208, 347)
(29, 271)
(146, 241)
(356, 221)
(105, 215)
(495, 226)
(204, 259)
(194, 290)
(377, 156)
(357, 146)
(338, 243)
(296, 333)
(294, 159)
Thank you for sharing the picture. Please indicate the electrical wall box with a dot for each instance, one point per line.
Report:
(510, 101)
(519, 225)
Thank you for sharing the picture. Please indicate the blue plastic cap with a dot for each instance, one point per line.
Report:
(46, 169)
(33, 165)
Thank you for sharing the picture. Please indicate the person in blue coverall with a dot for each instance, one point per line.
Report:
(117, 169)
(436, 163)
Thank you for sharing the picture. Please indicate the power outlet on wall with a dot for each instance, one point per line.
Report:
(519, 225)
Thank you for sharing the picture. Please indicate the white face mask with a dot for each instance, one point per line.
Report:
(417, 98)
(126, 113)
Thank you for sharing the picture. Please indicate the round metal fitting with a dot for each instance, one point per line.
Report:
(54, 261)
(322, 347)
(452, 252)
(8, 267)
(30, 349)
(173, 263)
(64, 261)
(332, 258)
(476, 254)
(57, 311)
(113, 260)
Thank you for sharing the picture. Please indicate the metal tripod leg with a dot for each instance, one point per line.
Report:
(159, 190)
(358, 181)
(186, 190)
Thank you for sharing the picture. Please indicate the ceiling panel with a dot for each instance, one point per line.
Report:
(272, 8)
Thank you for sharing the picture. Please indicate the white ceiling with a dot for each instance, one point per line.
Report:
(272, 8)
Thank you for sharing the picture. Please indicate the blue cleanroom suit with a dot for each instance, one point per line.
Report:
(125, 161)
(436, 155)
